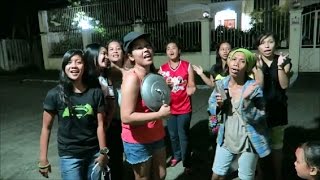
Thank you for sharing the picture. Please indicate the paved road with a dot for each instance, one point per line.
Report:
(20, 124)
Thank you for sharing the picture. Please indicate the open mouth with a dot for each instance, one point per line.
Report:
(115, 55)
(74, 71)
(147, 56)
(234, 70)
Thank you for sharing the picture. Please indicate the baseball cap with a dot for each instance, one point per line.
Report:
(130, 37)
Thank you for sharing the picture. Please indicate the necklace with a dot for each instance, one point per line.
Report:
(176, 65)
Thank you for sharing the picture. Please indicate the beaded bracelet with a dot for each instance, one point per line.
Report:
(44, 167)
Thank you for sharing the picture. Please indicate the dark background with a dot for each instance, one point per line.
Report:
(19, 18)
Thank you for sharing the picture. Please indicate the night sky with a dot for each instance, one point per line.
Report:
(22, 16)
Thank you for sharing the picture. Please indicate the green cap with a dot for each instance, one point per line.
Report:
(250, 57)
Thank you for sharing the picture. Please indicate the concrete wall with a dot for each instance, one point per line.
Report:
(309, 60)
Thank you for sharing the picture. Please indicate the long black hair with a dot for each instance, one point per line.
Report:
(91, 55)
(217, 68)
(65, 83)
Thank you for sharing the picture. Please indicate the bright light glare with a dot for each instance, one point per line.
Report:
(83, 21)
(221, 16)
(245, 22)
(85, 24)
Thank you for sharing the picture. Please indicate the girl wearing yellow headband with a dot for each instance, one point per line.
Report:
(238, 99)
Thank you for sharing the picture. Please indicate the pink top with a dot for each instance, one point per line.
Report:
(147, 133)
(180, 101)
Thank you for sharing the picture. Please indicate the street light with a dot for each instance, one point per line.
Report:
(206, 14)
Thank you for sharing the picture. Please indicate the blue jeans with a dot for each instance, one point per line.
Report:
(179, 128)
(75, 168)
(247, 163)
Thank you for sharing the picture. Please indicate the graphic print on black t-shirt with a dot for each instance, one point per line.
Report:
(77, 129)
(80, 110)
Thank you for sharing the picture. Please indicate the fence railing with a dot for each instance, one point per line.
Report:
(311, 29)
(14, 53)
(188, 34)
(112, 32)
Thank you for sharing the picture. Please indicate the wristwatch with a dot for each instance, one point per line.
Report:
(104, 151)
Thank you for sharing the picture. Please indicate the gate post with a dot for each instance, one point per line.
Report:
(86, 37)
(4, 61)
(44, 29)
(295, 41)
(205, 42)
(138, 26)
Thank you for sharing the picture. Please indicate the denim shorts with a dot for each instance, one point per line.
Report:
(247, 163)
(138, 153)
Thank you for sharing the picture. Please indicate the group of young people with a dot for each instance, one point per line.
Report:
(85, 103)
(92, 131)
(101, 113)
(248, 112)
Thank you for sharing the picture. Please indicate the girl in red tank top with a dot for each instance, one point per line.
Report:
(180, 77)
(142, 130)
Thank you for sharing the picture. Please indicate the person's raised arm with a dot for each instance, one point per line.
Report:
(191, 87)
(257, 71)
(283, 71)
(130, 90)
(209, 81)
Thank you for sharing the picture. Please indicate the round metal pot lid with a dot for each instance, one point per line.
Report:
(154, 91)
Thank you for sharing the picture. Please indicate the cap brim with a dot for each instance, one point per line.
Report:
(146, 35)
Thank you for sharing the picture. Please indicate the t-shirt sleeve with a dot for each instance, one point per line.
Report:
(212, 71)
(50, 101)
(99, 98)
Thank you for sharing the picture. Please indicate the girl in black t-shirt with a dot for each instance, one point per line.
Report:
(80, 112)
(275, 70)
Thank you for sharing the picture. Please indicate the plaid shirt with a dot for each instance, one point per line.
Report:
(252, 114)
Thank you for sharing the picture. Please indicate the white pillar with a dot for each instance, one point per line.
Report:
(4, 56)
(205, 42)
(295, 41)
(44, 29)
(138, 27)
(86, 37)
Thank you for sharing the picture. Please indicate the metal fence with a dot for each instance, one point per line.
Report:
(273, 19)
(114, 19)
(14, 53)
(187, 34)
(311, 29)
